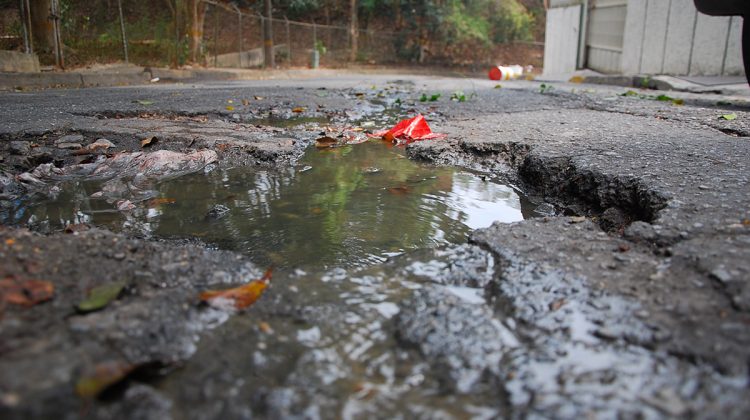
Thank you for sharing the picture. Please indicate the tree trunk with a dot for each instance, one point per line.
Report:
(353, 30)
(197, 19)
(41, 26)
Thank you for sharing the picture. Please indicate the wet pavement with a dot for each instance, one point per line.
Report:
(623, 293)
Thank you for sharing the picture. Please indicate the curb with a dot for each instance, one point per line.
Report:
(663, 82)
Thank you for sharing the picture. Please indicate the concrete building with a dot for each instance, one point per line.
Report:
(641, 37)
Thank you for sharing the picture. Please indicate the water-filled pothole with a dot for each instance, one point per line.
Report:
(349, 206)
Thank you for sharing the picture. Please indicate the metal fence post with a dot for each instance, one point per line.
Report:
(239, 17)
(288, 41)
(268, 52)
(122, 32)
(216, 36)
(55, 16)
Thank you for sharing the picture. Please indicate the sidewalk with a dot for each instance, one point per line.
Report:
(723, 85)
(129, 74)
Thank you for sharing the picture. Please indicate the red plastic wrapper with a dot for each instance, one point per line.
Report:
(409, 130)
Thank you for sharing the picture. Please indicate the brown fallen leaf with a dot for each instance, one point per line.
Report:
(245, 102)
(258, 98)
(159, 201)
(149, 141)
(242, 296)
(10, 242)
(76, 227)
(265, 327)
(103, 376)
(299, 109)
(399, 190)
(25, 292)
(325, 141)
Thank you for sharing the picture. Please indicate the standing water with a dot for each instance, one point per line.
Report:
(349, 206)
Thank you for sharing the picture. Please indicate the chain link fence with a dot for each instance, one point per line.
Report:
(92, 32)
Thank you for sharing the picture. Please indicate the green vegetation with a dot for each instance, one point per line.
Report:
(174, 32)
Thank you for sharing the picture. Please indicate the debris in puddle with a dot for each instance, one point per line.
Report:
(305, 168)
(217, 212)
(239, 297)
(408, 130)
(25, 292)
(325, 142)
(101, 296)
(159, 201)
(125, 205)
(399, 190)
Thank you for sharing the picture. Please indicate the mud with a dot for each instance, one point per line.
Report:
(626, 297)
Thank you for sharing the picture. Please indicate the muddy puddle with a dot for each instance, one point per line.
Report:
(348, 206)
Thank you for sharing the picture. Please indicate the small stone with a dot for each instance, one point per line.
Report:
(72, 146)
(119, 256)
(10, 399)
(722, 275)
(606, 334)
(101, 144)
(71, 138)
(554, 306)
(20, 148)
(704, 187)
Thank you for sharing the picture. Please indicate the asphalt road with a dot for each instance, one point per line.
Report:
(631, 297)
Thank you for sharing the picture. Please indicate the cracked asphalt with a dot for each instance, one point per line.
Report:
(628, 297)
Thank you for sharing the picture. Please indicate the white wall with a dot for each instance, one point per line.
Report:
(561, 39)
(659, 37)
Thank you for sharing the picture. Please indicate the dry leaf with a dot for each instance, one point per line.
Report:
(576, 79)
(10, 242)
(240, 297)
(258, 98)
(159, 201)
(245, 102)
(577, 219)
(25, 292)
(103, 376)
(265, 327)
(299, 109)
(149, 141)
(229, 108)
(100, 296)
(325, 141)
(400, 190)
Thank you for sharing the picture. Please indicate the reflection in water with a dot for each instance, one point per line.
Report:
(348, 206)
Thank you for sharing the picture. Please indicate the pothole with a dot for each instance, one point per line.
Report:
(348, 206)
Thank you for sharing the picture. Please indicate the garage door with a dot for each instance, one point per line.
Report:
(606, 27)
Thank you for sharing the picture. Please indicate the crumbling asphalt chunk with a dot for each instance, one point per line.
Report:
(462, 340)
(157, 321)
